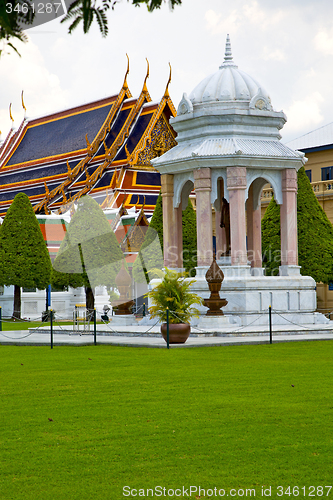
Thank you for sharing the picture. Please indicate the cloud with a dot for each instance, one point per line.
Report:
(305, 114)
(324, 41)
(42, 89)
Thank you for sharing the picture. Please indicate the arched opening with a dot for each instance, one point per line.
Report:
(253, 222)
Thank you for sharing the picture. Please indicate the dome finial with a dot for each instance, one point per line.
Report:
(228, 54)
(228, 59)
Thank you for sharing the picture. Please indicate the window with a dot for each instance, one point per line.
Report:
(330, 286)
(309, 174)
(327, 173)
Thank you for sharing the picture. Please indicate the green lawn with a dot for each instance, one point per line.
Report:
(226, 417)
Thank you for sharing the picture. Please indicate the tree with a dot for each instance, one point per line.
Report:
(17, 13)
(24, 258)
(189, 239)
(150, 255)
(314, 231)
(14, 13)
(89, 255)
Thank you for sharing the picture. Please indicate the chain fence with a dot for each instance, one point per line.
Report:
(87, 324)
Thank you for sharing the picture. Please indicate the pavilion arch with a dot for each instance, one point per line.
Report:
(184, 184)
(257, 180)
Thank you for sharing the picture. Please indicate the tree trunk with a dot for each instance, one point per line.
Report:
(90, 300)
(17, 302)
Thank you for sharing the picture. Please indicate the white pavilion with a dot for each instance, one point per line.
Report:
(229, 146)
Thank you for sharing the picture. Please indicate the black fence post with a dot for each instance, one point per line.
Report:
(270, 324)
(95, 326)
(167, 315)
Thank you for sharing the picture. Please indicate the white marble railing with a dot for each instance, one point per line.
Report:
(320, 187)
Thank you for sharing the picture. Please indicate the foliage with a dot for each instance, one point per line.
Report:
(150, 255)
(90, 254)
(271, 239)
(189, 239)
(174, 292)
(86, 11)
(25, 260)
(113, 295)
(315, 235)
(79, 11)
(11, 19)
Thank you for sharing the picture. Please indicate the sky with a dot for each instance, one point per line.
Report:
(287, 46)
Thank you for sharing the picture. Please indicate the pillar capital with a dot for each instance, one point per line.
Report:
(202, 179)
(289, 180)
(236, 178)
(167, 185)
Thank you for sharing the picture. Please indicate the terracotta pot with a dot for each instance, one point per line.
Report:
(178, 333)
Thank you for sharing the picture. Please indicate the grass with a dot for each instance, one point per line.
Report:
(224, 417)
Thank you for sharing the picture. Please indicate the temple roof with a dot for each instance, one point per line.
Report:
(103, 148)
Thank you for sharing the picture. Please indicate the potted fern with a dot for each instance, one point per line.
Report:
(173, 292)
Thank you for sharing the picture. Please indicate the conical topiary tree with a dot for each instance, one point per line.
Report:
(314, 230)
(24, 258)
(89, 255)
(189, 239)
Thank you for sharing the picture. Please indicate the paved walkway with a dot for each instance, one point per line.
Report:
(136, 336)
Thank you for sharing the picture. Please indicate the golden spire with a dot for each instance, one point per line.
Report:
(88, 143)
(144, 89)
(125, 85)
(10, 113)
(166, 93)
(47, 192)
(23, 105)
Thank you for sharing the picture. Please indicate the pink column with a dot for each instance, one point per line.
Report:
(170, 223)
(179, 226)
(236, 183)
(203, 187)
(288, 215)
(254, 252)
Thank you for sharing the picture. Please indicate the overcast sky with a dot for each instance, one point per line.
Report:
(286, 45)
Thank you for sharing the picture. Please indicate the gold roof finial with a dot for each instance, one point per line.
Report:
(166, 93)
(88, 143)
(125, 85)
(145, 89)
(10, 114)
(23, 105)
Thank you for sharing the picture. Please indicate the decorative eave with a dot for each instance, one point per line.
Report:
(146, 139)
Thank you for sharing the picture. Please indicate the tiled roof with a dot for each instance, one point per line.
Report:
(59, 136)
(319, 137)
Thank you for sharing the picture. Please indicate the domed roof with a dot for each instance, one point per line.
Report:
(230, 85)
